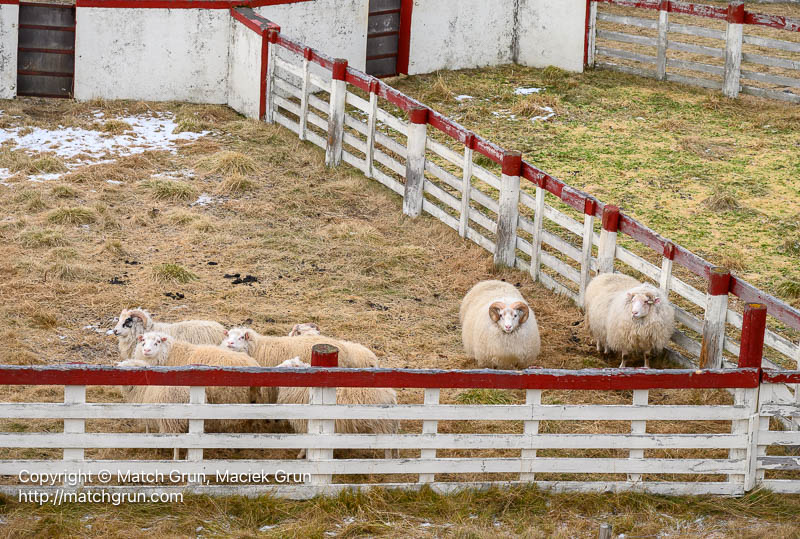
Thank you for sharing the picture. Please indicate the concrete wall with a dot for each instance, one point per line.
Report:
(447, 34)
(337, 28)
(551, 32)
(244, 70)
(152, 54)
(9, 17)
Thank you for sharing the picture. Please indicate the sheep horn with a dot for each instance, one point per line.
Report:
(524, 311)
(494, 310)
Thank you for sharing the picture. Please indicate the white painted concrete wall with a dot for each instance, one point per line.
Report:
(551, 32)
(152, 54)
(244, 70)
(9, 19)
(450, 34)
(337, 28)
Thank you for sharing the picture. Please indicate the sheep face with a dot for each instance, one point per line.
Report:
(237, 339)
(508, 317)
(294, 363)
(131, 323)
(641, 302)
(152, 344)
(309, 328)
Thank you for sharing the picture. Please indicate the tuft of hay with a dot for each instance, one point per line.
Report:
(46, 164)
(182, 217)
(115, 248)
(439, 90)
(72, 216)
(32, 199)
(115, 127)
(235, 183)
(205, 225)
(789, 288)
(484, 396)
(170, 189)
(173, 273)
(63, 191)
(228, 163)
(42, 237)
(534, 105)
(722, 200)
(66, 272)
(44, 320)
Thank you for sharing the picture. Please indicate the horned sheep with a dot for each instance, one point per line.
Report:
(135, 322)
(498, 327)
(344, 395)
(626, 316)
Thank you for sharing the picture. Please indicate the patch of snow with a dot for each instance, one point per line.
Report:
(41, 178)
(114, 182)
(550, 113)
(205, 200)
(425, 525)
(528, 91)
(462, 98)
(348, 520)
(267, 527)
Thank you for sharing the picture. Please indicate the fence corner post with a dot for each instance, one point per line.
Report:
(322, 355)
(508, 214)
(719, 282)
(665, 279)
(374, 86)
(733, 49)
(607, 249)
(662, 43)
(333, 148)
(272, 54)
(589, 207)
(415, 162)
(429, 427)
(466, 185)
(754, 325)
(591, 34)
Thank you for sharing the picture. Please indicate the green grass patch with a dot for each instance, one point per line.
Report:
(484, 396)
(72, 216)
(43, 237)
(228, 163)
(173, 273)
(173, 190)
(63, 191)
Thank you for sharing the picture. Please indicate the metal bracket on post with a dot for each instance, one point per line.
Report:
(607, 249)
(733, 49)
(334, 147)
(322, 355)
(415, 162)
(719, 282)
(589, 207)
(508, 214)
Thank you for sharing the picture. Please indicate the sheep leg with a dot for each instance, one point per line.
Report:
(390, 453)
(301, 454)
(622, 365)
(176, 454)
(646, 360)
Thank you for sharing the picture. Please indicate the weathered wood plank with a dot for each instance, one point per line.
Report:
(631, 21)
(627, 55)
(627, 38)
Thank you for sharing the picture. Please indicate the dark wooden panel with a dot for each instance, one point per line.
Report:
(44, 85)
(383, 23)
(45, 61)
(382, 68)
(46, 15)
(383, 5)
(46, 39)
(379, 46)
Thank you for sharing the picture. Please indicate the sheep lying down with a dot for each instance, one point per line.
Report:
(628, 317)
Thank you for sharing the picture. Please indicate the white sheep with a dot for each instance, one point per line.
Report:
(308, 328)
(498, 328)
(344, 395)
(135, 322)
(626, 316)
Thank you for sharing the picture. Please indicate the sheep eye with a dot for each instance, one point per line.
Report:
(649, 301)
(128, 323)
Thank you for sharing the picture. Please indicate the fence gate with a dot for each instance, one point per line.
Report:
(46, 64)
(383, 32)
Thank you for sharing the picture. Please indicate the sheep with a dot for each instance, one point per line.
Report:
(498, 328)
(344, 395)
(626, 316)
(135, 322)
(309, 328)
(158, 349)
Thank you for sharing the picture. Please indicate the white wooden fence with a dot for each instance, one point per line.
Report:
(736, 59)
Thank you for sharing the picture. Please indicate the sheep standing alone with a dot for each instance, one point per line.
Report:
(626, 316)
(344, 395)
(498, 328)
(135, 322)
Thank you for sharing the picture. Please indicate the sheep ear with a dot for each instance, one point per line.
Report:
(494, 310)
(656, 300)
(225, 332)
(629, 296)
(163, 339)
(140, 338)
(247, 335)
(524, 311)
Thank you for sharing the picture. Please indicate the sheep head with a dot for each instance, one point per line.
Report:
(509, 316)
(152, 346)
(294, 363)
(238, 339)
(132, 322)
(642, 300)
(309, 328)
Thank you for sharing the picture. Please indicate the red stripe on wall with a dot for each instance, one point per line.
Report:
(404, 39)
(181, 4)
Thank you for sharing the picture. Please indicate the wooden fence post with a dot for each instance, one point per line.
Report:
(641, 397)
(754, 325)
(505, 251)
(608, 240)
(589, 207)
(466, 185)
(665, 280)
(371, 121)
(333, 148)
(538, 224)
(429, 427)
(751, 351)
(74, 395)
(415, 162)
(533, 398)
(197, 395)
(322, 355)
(733, 49)
(719, 280)
(304, 91)
(272, 53)
(663, 28)
(591, 34)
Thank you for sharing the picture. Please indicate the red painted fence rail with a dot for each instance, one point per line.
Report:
(719, 13)
(197, 375)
